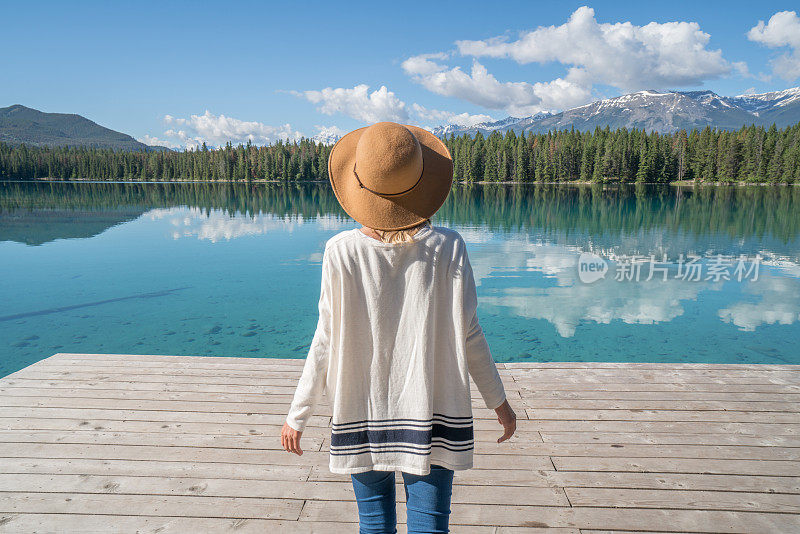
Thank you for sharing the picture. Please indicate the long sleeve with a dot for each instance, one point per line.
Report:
(314, 376)
(481, 365)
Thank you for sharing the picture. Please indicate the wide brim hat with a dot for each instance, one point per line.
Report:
(390, 176)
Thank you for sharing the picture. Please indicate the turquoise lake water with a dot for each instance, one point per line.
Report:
(234, 270)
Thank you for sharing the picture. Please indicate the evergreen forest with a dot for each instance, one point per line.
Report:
(750, 154)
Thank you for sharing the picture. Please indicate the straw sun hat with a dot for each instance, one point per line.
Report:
(390, 176)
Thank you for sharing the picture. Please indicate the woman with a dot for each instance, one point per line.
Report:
(398, 333)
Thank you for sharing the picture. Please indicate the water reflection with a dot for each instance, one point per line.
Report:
(217, 225)
(247, 260)
(562, 299)
(771, 300)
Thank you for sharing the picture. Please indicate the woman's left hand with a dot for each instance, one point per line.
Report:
(290, 439)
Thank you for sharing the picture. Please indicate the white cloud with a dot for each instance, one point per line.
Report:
(380, 105)
(216, 130)
(482, 88)
(623, 55)
(782, 30)
(358, 103)
(448, 117)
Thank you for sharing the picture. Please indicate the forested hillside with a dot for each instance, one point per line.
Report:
(23, 125)
(751, 154)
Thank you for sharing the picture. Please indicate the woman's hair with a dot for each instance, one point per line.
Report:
(399, 236)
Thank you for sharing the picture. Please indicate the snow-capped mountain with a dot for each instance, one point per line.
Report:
(487, 127)
(661, 111)
(327, 136)
(766, 101)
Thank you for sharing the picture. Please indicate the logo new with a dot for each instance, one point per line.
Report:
(591, 267)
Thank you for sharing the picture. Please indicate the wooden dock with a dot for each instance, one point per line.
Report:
(176, 444)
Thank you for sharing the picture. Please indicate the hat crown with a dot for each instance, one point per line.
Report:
(388, 158)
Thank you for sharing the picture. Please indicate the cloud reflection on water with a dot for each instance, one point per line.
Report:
(216, 225)
(559, 297)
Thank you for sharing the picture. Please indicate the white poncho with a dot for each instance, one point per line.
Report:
(397, 335)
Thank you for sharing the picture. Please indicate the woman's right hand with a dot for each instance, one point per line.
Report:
(507, 418)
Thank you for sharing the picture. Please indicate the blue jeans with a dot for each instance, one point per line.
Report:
(427, 501)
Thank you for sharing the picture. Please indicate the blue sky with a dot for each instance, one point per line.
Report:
(181, 72)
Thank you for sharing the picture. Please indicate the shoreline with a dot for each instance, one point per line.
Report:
(679, 183)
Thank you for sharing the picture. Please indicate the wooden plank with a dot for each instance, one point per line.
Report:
(169, 427)
(636, 451)
(315, 440)
(788, 378)
(507, 365)
(156, 467)
(175, 378)
(153, 415)
(56, 387)
(322, 444)
(657, 375)
(278, 392)
(233, 456)
(257, 360)
(678, 465)
(645, 386)
(252, 457)
(25, 388)
(665, 438)
(264, 407)
(169, 359)
(136, 394)
(99, 522)
(90, 372)
(585, 517)
(674, 396)
(526, 429)
(697, 447)
(149, 386)
(14, 502)
(289, 390)
(162, 439)
(683, 499)
(483, 420)
(648, 365)
(663, 415)
(238, 369)
(661, 405)
(215, 429)
(272, 489)
(675, 481)
(22, 396)
(181, 525)
(600, 479)
(287, 365)
(122, 368)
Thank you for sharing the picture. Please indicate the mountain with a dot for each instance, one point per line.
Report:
(44, 225)
(19, 124)
(658, 111)
(327, 136)
(780, 107)
(488, 127)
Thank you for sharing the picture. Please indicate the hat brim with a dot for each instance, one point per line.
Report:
(399, 211)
